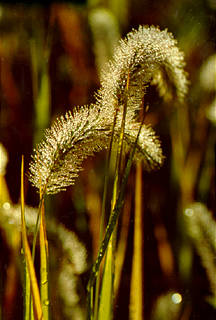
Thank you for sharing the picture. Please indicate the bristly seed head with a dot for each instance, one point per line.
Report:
(147, 55)
(57, 159)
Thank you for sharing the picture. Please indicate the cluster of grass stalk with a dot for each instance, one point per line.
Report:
(111, 124)
(100, 288)
(36, 302)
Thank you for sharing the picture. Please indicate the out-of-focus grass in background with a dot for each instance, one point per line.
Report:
(50, 61)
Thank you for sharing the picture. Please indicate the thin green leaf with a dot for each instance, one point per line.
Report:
(106, 297)
(27, 253)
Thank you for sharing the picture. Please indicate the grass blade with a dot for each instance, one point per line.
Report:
(136, 292)
(27, 254)
(106, 300)
(44, 289)
(27, 293)
(122, 243)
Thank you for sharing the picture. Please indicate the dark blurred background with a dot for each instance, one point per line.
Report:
(50, 60)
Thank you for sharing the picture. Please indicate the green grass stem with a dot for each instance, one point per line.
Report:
(103, 212)
(111, 225)
(44, 289)
(106, 296)
(136, 292)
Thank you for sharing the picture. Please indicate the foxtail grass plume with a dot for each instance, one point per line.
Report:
(145, 56)
(72, 138)
(71, 265)
(201, 228)
(148, 148)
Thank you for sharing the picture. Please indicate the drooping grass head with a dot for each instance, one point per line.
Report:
(146, 56)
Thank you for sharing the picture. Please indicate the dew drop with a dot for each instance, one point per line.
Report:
(189, 212)
(46, 302)
(176, 298)
(6, 205)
